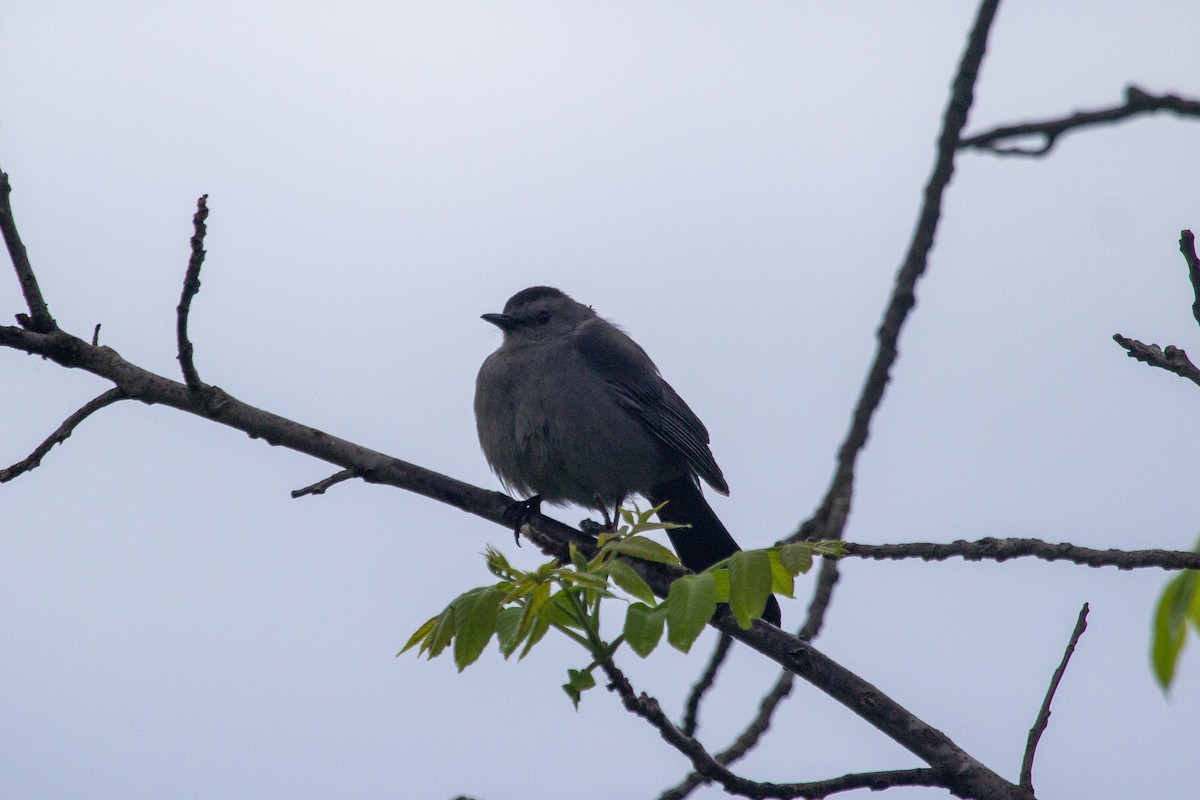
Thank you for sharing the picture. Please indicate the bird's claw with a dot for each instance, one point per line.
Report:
(520, 512)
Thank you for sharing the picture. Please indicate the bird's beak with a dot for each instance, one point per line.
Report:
(501, 321)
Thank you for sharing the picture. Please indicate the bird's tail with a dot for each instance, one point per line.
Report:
(707, 541)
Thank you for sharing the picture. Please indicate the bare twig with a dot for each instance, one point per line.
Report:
(648, 709)
(1043, 717)
(745, 742)
(1138, 102)
(191, 285)
(39, 318)
(60, 435)
(829, 521)
(1005, 549)
(1187, 246)
(96, 335)
(320, 486)
(1172, 358)
(692, 710)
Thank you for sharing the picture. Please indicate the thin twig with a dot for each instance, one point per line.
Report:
(1171, 358)
(1138, 102)
(1004, 549)
(39, 318)
(1187, 246)
(191, 285)
(60, 435)
(1043, 717)
(829, 521)
(744, 743)
(320, 486)
(692, 710)
(648, 709)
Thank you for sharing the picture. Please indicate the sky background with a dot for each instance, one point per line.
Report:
(735, 184)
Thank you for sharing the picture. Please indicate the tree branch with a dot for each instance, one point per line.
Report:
(1138, 102)
(191, 285)
(320, 486)
(1043, 717)
(1187, 246)
(830, 519)
(1172, 359)
(39, 318)
(375, 467)
(60, 435)
(989, 549)
(648, 709)
(692, 710)
(960, 773)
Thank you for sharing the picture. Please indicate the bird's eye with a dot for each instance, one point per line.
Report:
(543, 317)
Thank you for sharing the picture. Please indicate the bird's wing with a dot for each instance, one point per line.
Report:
(635, 382)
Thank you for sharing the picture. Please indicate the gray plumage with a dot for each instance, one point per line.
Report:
(571, 409)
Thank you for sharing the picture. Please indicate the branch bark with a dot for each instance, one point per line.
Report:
(1138, 102)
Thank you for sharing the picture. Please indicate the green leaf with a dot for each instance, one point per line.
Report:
(475, 622)
(782, 581)
(442, 633)
(585, 579)
(796, 557)
(1170, 629)
(497, 564)
(578, 682)
(420, 635)
(645, 549)
(537, 599)
(624, 576)
(721, 582)
(749, 585)
(561, 611)
(830, 548)
(577, 558)
(691, 602)
(541, 624)
(508, 626)
(643, 627)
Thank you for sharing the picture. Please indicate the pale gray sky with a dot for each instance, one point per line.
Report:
(734, 184)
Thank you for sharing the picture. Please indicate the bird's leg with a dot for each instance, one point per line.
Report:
(610, 523)
(519, 513)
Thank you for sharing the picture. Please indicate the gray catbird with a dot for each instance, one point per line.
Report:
(571, 410)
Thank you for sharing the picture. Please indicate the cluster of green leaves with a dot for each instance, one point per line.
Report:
(522, 606)
(1179, 605)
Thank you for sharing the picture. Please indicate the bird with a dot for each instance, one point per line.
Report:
(569, 409)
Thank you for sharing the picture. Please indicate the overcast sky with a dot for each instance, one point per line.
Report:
(735, 184)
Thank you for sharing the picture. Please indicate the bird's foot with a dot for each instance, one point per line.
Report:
(610, 523)
(520, 512)
(591, 527)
